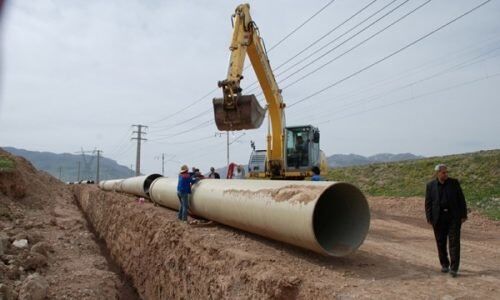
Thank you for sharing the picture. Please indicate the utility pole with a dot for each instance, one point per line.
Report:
(78, 177)
(87, 162)
(230, 143)
(98, 161)
(163, 164)
(60, 173)
(227, 148)
(139, 138)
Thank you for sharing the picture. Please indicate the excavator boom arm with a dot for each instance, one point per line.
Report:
(236, 111)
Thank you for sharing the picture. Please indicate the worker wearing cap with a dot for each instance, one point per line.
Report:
(183, 192)
(446, 210)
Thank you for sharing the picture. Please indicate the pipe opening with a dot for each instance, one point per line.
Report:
(341, 219)
(147, 182)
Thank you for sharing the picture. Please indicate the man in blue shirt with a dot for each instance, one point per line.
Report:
(316, 176)
(183, 192)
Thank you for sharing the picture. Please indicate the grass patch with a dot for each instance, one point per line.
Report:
(478, 173)
(6, 164)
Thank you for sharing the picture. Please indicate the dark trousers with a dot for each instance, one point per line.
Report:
(447, 230)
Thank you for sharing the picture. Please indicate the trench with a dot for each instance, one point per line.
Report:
(167, 259)
(126, 290)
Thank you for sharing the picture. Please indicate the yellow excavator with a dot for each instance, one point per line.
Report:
(291, 151)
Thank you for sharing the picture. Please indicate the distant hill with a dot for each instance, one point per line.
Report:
(347, 160)
(478, 173)
(67, 163)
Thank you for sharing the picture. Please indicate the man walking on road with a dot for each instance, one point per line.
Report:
(446, 210)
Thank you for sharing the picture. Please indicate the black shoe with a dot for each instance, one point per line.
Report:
(445, 269)
(453, 273)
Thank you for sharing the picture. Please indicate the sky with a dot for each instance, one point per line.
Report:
(78, 74)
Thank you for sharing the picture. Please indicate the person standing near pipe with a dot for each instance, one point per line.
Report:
(184, 191)
(316, 174)
(446, 210)
(213, 174)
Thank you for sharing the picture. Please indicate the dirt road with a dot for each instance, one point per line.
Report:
(167, 259)
(401, 257)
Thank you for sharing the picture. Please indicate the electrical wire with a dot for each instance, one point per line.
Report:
(327, 44)
(176, 124)
(300, 26)
(203, 124)
(186, 107)
(485, 44)
(389, 55)
(411, 98)
(364, 101)
(185, 142)
(352, 48)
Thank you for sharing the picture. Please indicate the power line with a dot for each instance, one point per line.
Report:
(329, 43)
(390, 55)
(351, 49)
(121, 142)
(123, 151)
(328, 33)
(185, 142)
(172, 126)
(186, 107)
(301, 25)
(433, 63)
(345, 41)
(416, 97)
(456, 67)
(202, 124)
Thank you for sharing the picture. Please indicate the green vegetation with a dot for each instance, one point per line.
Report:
(6, 164)
(478, 173)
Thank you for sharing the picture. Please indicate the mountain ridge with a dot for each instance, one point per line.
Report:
(65, 165)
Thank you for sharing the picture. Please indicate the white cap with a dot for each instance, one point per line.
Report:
(439, 166)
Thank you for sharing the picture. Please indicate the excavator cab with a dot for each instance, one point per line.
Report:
(238, 112)
(302, 148)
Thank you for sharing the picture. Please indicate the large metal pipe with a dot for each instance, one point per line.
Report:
(134, 185)
(327, 217)
(111, 185)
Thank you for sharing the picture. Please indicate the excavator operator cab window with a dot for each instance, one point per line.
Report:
(297, 147)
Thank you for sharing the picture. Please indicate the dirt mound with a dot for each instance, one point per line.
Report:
(31, 187)
(44, 239)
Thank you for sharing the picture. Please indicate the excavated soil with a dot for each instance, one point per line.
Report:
(117, 244)
(62, 258)
(168, 259)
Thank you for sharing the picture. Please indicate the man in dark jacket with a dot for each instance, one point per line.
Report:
(213, 174)
(446, 210)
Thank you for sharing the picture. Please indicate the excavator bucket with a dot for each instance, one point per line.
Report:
(246, 113)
